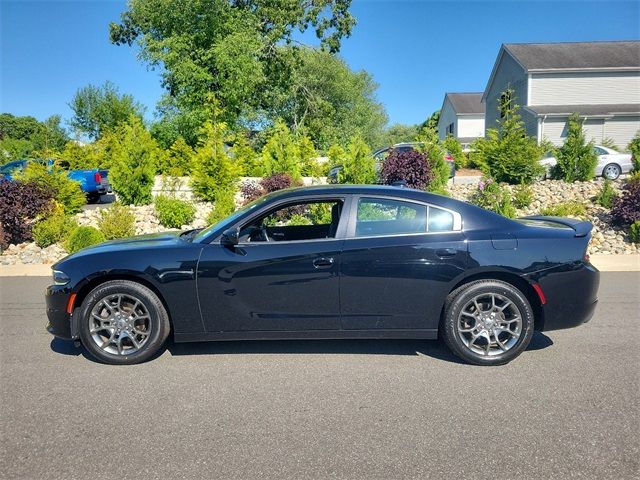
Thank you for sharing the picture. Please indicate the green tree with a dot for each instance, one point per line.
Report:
(176, 161)
(452, 145)
(399, 133)
(246, 157)
(214, 173)
(429, 143)
(329, 102)
(507, 153)
(281, 154)
(432, 121)
(634, 148)
(308, 156)
(99, 109)
(358, 163)
(26, 137)
(576, 158)
(239, 50)
(133, 156)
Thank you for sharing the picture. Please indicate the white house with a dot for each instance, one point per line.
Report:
(462, 115)
(598, 80)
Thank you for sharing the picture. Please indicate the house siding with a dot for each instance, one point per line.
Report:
(584, 88)
(447, 117)
(619, 129)
(508, 74)
(622, 129)
(470, 126)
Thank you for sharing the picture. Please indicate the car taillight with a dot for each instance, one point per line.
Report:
(98, 177)
(586, 258)
(448, 157)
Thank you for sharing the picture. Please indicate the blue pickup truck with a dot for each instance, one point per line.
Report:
(94, 183)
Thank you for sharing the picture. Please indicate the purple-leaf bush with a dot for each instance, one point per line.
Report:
(626, 207)
(20, 204)
(410, 166)
(277, 181)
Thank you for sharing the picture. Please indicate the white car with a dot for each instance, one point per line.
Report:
(611, 164)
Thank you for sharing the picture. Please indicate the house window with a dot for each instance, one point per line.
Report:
(450, 129)
(506, 102)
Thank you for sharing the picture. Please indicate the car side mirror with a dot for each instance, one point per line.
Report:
(229, 237)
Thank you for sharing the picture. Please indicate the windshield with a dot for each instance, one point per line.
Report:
(221, 225)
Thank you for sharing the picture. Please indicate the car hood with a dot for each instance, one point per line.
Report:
(132, 243)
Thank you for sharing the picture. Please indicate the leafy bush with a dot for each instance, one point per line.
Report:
(410, 166)
(224, 206)
(429, 144)
(3, 243)
(173, 212)
(507, 153)
(565, 209)
(64, 191)
(20, 204)
(214, 172)
(133, 155)
(626, 207)
(53, 229)
(245, 157)
(358, 164)
(176, 161)
(492, 196)
(634, 148)
(251, 190)
(117, 221)
(576, 158)
(634, 232)
(278, 181)
(606, 196)
(83, 237)
(453, 147)
(281, 153)
(522, 196)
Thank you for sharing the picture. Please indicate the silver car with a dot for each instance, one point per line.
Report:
(611, 164)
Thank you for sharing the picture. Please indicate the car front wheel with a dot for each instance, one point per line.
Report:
(487, 322)
(612, 171)
(123, 322)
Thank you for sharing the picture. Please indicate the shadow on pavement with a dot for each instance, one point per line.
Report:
(429, 348)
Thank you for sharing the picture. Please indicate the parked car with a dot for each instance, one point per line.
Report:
(611, 164)
(93, 182)
(332, 261)
(382, 153)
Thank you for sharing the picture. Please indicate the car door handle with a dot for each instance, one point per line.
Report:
(323, 262)
(446, 252)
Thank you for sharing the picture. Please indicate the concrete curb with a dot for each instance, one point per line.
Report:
(604, 263)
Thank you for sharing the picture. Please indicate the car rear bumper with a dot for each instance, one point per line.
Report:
(571, 294)
(60, 321)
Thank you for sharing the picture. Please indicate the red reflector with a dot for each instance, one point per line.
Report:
(98, 177)
(72, 300)
(540, 293)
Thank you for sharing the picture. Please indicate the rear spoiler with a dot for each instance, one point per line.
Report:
(580, 227)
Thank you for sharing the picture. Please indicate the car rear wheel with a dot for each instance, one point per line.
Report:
(93, 198)
(611, 171)
(123, 322)
(487, 322)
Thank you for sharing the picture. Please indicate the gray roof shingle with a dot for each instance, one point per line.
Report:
(578, 55)
(467, 103)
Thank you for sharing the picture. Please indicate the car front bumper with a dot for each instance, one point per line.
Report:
(60, 322)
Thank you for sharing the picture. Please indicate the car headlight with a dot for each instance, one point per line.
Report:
(60, 278)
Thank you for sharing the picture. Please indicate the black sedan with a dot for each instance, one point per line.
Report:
(332, 262)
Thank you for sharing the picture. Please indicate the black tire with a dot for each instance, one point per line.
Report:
(461, 297)
(158, 322)
(611, 171)
(93, 198)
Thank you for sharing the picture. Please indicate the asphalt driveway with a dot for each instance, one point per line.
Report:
(567, 408)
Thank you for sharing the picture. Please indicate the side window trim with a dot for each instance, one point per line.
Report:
(342, 224)
(353, 217)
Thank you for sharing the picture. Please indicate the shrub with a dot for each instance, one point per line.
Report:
(117, 221)
(453, 147)
(410, 166)
(65, 191)
(565, 209)
(492, 196)
(133, 155)
(576, 158)
(83, 237)
(606, 196)
(20, 204)
(522, 196)
(634, 232)
(53, 229)
(251, 190)
(626, 207)
(214, 172)
(278, 181)
(634, 148)
(3, 242)
(280, 153)
(507, 153)
(429, 144)
(224, 206)
(176, 161)
(173, 212)
(358, 166)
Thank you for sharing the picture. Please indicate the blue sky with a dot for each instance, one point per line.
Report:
(415, 50)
